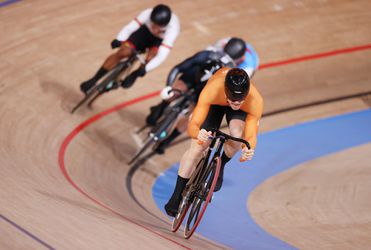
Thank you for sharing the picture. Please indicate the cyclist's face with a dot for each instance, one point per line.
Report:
(157, 29)
(235, 105)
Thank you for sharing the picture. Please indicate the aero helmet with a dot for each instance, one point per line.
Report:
(235, 48)
(237, 84)
(161, 15)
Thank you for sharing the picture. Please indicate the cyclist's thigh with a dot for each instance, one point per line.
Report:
(181, 85)
(214, 117)
(125, 50)
(236, 121)
(189, 77)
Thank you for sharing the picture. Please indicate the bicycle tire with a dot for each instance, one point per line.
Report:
(146, 144)
(200, 204)
(182, 211)
(111, 76)
(91, 95)
(185, 203)
(99, 88)
(93, 99)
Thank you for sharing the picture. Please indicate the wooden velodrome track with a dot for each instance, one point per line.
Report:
(73, 192)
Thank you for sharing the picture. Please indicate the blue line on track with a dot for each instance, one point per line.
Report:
(26, 232)
(7, 2)
(227, 220)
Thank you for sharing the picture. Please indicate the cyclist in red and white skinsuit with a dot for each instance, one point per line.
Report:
(153, 30)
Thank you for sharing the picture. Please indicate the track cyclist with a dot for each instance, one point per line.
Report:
(153, 30)
(228, 92)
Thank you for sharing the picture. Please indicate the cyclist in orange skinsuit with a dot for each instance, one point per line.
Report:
(227, 92)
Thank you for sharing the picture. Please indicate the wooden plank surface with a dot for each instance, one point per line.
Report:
(48, 47)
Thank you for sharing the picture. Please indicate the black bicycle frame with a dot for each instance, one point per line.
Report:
(171, 116)
(219, 138)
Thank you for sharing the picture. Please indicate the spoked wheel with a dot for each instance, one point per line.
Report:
(147, 143)
(187, 199)
(202, 197)
(182, 211)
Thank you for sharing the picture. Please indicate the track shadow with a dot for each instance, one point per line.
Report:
(68, 97)
(85, 205)
(120, 147)
(133, 117)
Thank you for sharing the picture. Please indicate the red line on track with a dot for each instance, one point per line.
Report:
(98, 116)
(75, 132)
(315, 56)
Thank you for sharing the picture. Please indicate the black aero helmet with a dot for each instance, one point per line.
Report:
(207, 69)
(237, 84)
(161, 15)
(235, 48)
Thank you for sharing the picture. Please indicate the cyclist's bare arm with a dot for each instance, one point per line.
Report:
(210, 95)
(254, 109)
(133, 25)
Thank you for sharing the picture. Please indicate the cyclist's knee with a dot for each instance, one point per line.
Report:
(152, 52)
(231, 148)
(179, 84)
(123, 52)
(236, 127)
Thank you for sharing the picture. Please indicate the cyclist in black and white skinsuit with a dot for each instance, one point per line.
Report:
(153, 30)
(194, 73)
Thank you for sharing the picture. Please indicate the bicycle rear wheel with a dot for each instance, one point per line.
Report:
(202, 197)
(187, 199)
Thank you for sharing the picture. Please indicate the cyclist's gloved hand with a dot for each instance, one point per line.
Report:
(203, 136)
(247, 154)
(115, 44)
(167, 93)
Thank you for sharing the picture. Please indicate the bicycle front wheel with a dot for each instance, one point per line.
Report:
(182, 211)
(187, 198)
(202, 197)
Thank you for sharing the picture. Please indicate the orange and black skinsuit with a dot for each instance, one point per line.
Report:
(213, 101)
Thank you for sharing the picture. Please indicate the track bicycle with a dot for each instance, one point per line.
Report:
(111, 80)
(200, 187)
(167, 123)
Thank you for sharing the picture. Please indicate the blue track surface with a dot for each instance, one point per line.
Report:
(227, 220)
